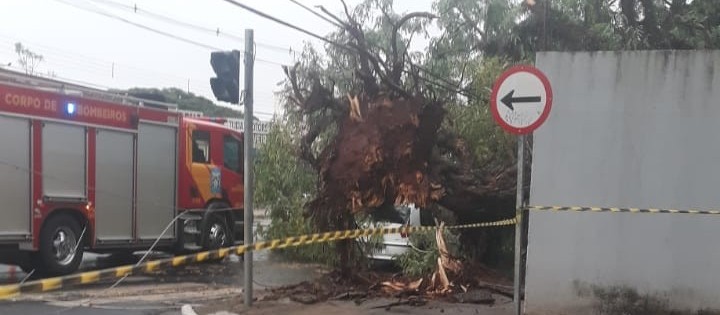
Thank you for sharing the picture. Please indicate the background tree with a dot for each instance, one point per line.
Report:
(184, 101)
(27, 59)
(517, 29)
(283, 185)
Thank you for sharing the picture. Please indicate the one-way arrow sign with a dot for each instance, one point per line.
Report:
(508, 100)
(521, 99)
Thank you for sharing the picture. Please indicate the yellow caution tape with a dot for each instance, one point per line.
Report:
(51, 284)
(627, 210)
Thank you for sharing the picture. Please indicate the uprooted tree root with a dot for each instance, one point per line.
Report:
(477, 286)
(451, 281)
(451, 276)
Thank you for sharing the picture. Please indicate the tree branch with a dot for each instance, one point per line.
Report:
(341, 22)
(292, 76)
(345, 7)
(315, 13)
(309, 138)
(474, 26)
(397, 65)
(355, 31)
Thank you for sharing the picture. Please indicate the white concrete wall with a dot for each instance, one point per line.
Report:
(627, 129)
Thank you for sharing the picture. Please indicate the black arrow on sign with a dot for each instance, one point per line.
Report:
(508, 99)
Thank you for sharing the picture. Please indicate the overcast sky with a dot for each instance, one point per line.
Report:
(98, 48)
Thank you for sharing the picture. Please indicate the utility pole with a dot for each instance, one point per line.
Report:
(248, 132)
(226, 87)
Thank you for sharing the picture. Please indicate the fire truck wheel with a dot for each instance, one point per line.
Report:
(216, 233)
(59, 253)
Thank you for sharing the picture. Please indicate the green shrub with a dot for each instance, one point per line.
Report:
(421, 259)
(283, 185)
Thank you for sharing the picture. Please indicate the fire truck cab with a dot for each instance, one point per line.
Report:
(83, 169)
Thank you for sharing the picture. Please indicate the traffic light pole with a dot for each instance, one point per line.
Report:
(248, 131)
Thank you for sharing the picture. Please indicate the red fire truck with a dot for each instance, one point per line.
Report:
(82, 169)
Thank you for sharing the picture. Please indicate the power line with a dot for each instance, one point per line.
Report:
(171, 20)
(88, 61)
(56, 77)
(316, 14)
(20, 69)
(101, 67)
(136, 9)
(448, 84)
(188, 41)
(201, 88)
(97, 63)
(118, 72)
(324, 39)
(279, 21)
(270, 62)
(147, 28)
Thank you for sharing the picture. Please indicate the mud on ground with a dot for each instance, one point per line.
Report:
(372, 293)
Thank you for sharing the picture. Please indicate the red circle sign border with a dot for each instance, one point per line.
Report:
(548, 99)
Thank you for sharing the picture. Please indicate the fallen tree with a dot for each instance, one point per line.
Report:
(375, 135)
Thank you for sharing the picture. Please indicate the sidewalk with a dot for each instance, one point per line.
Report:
(370, 307)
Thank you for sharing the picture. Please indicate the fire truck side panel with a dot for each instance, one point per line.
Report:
(114, 169)
(15, 174)
(191, 195)
(64, 162)
(157, 165)
(188, 194)
(37, 208)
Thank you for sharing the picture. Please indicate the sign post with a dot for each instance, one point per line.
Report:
(520, 102)
(517, 274)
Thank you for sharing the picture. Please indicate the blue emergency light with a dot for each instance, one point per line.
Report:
(70, 108)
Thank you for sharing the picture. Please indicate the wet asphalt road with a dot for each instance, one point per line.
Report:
(161, 293)
(45, 309)
(166, 291)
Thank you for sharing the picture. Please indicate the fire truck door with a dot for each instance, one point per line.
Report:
(232, 171)
(156, 158)
(64, 161)
(114, 185)
(14, 176)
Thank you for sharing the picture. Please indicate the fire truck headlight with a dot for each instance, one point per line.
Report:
(70, 108)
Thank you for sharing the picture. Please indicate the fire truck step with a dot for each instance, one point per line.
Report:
(193, 248)
(192, 217)
(191, 230)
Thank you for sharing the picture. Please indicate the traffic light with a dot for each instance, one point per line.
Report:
(226, 84)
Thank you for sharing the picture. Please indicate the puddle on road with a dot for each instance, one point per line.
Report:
(268, 272)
